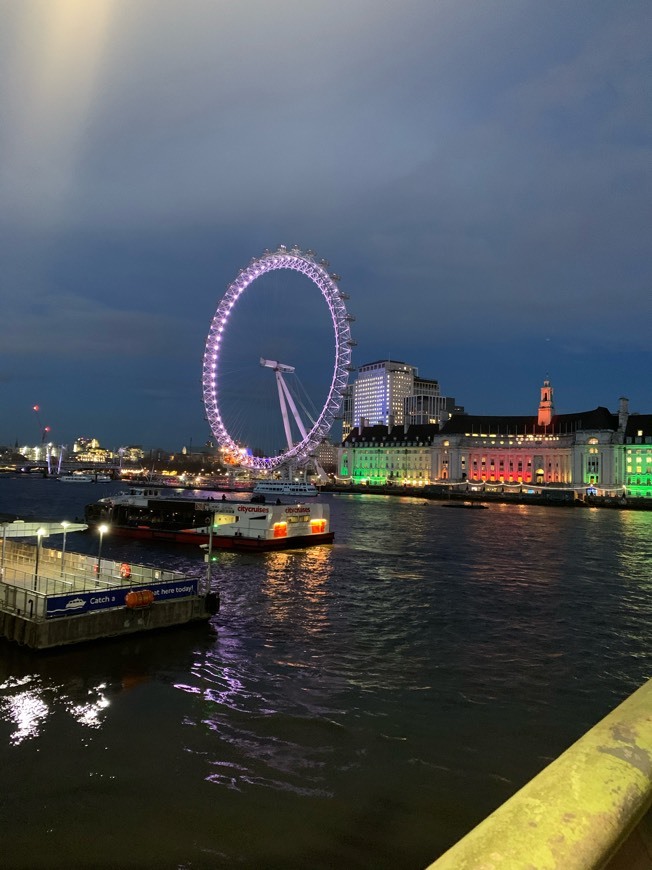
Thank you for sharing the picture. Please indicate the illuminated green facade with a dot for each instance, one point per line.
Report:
(638, 456)
(379, 456)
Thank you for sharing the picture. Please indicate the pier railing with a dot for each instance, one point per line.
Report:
(30, 575)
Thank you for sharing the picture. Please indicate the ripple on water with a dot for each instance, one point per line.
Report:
(383, 689)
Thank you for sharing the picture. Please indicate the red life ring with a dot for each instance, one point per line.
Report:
(125, 571)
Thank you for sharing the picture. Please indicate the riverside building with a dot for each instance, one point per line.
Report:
(638, 456)
(386, 456)
(390, 393)
(597, 450)
(379, 390)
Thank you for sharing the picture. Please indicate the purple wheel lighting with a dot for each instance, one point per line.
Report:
(316, 270)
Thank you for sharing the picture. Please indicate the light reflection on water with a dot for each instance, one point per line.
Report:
(29, 710)
(387, 691)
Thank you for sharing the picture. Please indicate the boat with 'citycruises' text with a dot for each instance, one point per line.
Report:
(147, 513)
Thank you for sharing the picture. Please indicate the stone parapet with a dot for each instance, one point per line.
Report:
(588, 810)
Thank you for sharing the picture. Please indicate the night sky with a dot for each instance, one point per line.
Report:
(479, 174)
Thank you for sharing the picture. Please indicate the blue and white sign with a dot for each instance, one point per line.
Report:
(104, 599)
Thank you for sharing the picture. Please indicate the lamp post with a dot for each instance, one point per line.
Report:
(39, 535)
(102, 530)
(210, 554)
(4, 544)
(65, 525)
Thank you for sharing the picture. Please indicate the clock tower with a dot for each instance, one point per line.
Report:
(546, 407)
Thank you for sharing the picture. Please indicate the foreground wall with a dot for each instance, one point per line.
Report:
(589, 809)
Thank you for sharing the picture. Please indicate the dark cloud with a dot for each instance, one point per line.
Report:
(478, 173)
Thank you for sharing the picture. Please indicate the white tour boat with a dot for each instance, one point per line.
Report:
(145, 512)
(76, 478)
(238, 526)
(79, 477)
(285, 487)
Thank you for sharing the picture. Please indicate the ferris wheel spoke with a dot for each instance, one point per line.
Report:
(302, 397)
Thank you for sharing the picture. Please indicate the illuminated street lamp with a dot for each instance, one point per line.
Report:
(103, 529)
(4, 544)
(39, 536)
(65, 525)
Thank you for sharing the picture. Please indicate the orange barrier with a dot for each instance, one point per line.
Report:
(140, 598)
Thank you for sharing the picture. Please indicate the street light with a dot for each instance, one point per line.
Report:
(65, 525)
(39, 535)
(102, 530)
(209, 558)
(4, 544)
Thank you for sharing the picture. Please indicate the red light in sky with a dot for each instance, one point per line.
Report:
(36, 408)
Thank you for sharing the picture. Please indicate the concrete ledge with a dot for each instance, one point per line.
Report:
(578, 813)
(45, 634)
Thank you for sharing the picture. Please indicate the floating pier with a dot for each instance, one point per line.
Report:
(51, 598)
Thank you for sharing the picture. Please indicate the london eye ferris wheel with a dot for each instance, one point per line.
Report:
(303, 428)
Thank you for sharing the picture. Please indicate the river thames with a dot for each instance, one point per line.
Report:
(357, 705)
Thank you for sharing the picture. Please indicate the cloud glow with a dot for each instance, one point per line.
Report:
(480, 174)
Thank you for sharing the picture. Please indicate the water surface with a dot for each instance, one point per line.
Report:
(356, 705)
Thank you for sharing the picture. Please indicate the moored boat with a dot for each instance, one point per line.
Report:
(81, 477)
(285, 488)
(240, 526)
(147, 513)
(152, 512)
(76, 478)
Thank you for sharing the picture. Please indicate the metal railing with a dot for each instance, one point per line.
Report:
(29, 575)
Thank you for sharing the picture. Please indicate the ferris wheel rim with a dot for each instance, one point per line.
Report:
(316, 271)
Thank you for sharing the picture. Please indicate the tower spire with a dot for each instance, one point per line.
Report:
(546, 407)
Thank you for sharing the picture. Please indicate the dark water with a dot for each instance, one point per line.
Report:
(354, 706)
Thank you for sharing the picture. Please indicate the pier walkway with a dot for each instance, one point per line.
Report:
(29, 582)
(51, 597)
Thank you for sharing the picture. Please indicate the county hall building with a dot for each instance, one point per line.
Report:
(600, 451)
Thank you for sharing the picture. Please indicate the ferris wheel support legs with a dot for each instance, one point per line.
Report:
(285, 399)
(284, 408)
(295, 413)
